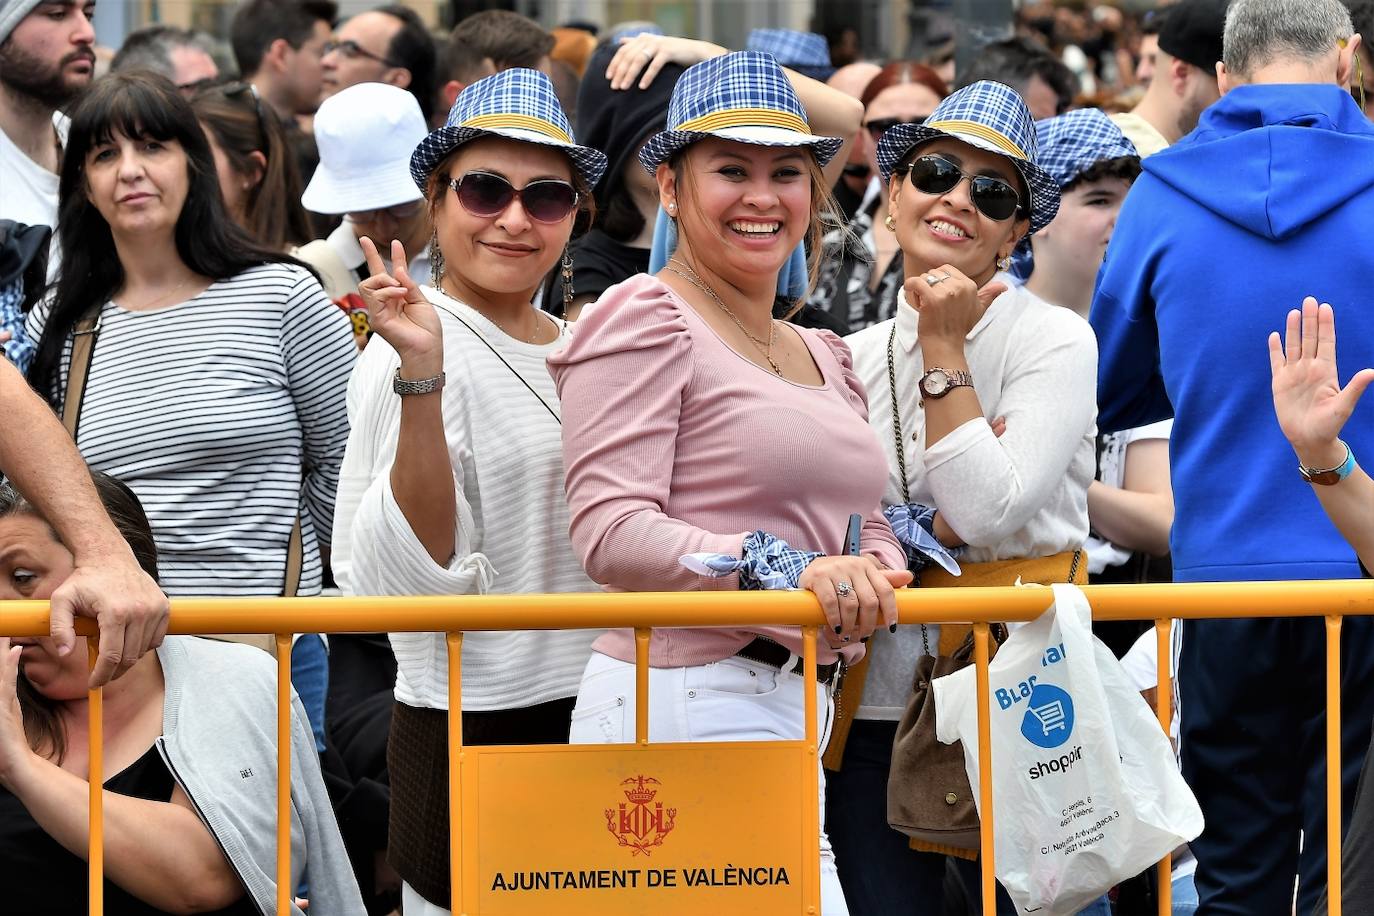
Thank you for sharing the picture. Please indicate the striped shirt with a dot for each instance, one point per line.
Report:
(506, 457)
(227, 415)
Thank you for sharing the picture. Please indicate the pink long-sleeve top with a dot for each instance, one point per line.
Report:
(674, 443)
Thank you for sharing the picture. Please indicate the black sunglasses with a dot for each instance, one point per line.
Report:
(880, 126)
(547, 200)
(240, 90)
(993, 197)
(352, 50)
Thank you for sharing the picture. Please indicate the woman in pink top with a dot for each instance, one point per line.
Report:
(694, 423)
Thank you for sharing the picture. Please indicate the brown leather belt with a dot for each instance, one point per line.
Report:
(766, 652)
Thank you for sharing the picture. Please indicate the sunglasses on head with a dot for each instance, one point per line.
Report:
(547, 200)
(880, 126)
(932, 174)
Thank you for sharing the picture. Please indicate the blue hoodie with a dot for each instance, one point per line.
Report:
(1271, 199)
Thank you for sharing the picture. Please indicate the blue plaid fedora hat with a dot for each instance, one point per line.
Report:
(743, 96)
(992, 117)
(1070, 144)
(805, 52)
(517, 104)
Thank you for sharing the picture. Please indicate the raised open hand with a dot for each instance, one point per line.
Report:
(400, 313)
(1308, 399)
(648, 54)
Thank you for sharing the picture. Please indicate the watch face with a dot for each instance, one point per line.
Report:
(935, 382)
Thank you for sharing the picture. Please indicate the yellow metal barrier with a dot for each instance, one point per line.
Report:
(1332, 600)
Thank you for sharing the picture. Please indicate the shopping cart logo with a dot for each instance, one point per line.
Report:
(641, 822)
(1048, 721)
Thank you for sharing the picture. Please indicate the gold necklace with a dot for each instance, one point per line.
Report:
(766, 348)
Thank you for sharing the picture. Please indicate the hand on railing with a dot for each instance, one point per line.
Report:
(125, 602)
(856, 593)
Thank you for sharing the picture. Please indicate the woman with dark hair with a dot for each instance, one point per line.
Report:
(861, 273)
(185, 831)
(982, 396)
(453, 480)
(210, 369)
(257, 171)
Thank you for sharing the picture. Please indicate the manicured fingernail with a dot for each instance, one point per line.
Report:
(892, 628)
(837, 629)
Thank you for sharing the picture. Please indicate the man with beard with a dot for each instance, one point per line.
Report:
(1184, 80)
(46, 59)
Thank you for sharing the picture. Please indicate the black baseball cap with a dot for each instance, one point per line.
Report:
(1192, 32)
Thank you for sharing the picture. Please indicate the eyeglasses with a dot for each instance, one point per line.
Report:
(880, 126)
(399, 213)
(993, 197)
(352, 50)
(547, 200)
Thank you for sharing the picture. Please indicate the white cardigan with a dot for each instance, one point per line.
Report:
(512, 533)
(1023, 495)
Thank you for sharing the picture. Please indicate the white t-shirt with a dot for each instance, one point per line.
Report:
(1112, 472)
(28, 192)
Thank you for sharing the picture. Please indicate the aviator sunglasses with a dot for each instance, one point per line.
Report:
(484, 194)
(993, 197)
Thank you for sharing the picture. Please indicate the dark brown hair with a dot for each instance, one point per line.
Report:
(509, 39)
(242, 126)
(42, 721)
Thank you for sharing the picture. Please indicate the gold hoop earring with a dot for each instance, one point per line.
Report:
(890, 223)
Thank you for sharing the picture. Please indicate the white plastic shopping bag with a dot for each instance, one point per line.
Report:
(1085, 789)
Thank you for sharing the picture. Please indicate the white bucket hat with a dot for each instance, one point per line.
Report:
(365, 136)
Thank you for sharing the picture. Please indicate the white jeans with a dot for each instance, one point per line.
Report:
(412, 904)
(729, 700)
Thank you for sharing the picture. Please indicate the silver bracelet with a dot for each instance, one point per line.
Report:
(404, 387)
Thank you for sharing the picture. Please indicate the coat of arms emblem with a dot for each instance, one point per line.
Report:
(640, 822)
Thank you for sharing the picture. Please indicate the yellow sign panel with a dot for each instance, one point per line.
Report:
(660, 829)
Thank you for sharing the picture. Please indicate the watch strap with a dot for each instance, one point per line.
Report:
(957, 379)
(405, 387)
(1326, 477)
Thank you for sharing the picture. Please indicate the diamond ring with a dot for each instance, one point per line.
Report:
(844, 589)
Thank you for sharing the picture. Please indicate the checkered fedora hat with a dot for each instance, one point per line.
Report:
(1072, 143)
(805, 52)
(517, 104)
(992, 117)
(743, 96)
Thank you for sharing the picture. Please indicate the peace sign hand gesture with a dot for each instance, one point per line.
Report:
(1308, 398)
(401, 314)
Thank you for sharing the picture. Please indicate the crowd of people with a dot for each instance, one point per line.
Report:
(359, 307)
